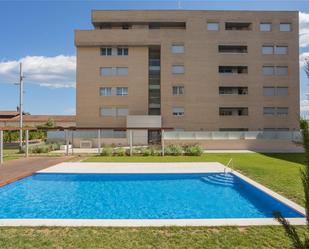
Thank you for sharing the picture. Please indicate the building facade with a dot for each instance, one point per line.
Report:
(196, 70)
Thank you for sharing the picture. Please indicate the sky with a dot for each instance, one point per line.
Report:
(41, 35)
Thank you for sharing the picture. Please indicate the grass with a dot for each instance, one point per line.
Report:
(280, 172)
(10, 154)
(141, 238)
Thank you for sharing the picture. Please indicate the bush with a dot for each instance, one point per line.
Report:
(120, 152)
(107, 151)
(136, 151)
(145, 152)
(155, 151)
(173, 150)
(40, 149)
(193, 150)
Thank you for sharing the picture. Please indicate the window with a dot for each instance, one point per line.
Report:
(269, 91)
(178, 90)
(281, 50)
(121, 91)
(279, 111)
(126, 26)
(108, 112)
(114, 111)
(233, 90)
(122, 112)
(114, 51)
(267, 49)
(106, 91)
(226, 70)
(270, 49)
(268, 70)
(282, 70)
(167, 25)
(278, 70)
(232, 49)
(275, 91)
(282, 111)
(122, 51)
(282, 91)
(107, 71)
(106, 51)
(113, 134)
(178, 49)
(214, 26)
(285, 27)
(178, 111)
(269, 111)
(233, 111)
(265, 27)
(237, 26)
(112, 71)
(178, 69)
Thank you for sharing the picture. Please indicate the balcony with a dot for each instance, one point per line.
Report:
(127, 37)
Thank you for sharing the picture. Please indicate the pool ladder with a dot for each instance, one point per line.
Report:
(230, 165)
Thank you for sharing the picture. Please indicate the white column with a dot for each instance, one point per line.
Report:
(131, 142)
(1, 146)
(66, 142)
(162, 142)
(27, 143)
(99, 141)
(72, 142)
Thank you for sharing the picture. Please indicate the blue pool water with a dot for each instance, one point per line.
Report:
(137, 196)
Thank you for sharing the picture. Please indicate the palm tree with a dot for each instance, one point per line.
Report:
(289, 229)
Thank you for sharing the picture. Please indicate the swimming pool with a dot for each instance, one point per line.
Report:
(137, 196)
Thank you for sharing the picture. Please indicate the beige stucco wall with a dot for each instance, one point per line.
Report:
(201, 60)
(89, 82)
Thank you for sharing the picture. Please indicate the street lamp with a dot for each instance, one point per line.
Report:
(21, 77)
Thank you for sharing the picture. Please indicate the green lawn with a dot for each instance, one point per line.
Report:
(145, 238)
(280, 172)
(10, 154)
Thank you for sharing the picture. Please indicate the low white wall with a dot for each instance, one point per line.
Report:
(258, 145)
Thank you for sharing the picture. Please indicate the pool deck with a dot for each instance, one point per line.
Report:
(201, 167)
(14, 170)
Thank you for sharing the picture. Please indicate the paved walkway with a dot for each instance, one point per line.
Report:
(15, 169)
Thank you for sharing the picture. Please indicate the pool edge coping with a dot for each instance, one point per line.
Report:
(146, 222)
(166, 222)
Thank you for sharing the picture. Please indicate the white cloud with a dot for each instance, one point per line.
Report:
(303, 29)
(303, 57)
(70, 111)
(304, 108)
(52, 72)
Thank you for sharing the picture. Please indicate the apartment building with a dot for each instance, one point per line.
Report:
(189, 70)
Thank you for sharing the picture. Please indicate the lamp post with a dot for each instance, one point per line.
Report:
(21, 77)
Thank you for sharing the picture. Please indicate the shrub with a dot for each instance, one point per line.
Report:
(155, 151)
(173, 150)
(136, 151)
(193, 150)
(40, 149)
(120, 152)
(107, 151)
(145, 151)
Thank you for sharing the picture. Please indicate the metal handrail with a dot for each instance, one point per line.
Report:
(229, 165)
